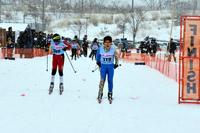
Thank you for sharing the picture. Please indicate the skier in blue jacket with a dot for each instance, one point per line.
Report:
(105, 60)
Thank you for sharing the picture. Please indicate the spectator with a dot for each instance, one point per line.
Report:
(147, 43)
(143, 47)
(154, 46)
(126, 45)
(124, 42)
(40, 38)
(10, 35)
(35, 40)
(120, 47)
(10, 47)
(48, 38)
(20, 41)
(171, 48)
(28, 38)
(85, 45)
(44, 40)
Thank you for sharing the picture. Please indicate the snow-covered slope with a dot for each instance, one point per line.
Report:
(144, 100)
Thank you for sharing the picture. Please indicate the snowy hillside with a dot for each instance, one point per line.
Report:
(144, 100)
(156, 24)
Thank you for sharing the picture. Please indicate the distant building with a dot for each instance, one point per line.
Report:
(15, 26)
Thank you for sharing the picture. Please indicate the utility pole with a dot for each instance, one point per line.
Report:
(82, 6)
(86, 18)
(123, 29)
(0, 10)
(132, 5)
(43, 15)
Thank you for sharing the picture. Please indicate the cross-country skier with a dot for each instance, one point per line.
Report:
(75, 46)
(58, 47)
(94, 48)
(105, 60)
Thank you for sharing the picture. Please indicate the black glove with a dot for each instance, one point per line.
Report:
(116, 66)
(46, 49)
(99, 64)
(64, 48)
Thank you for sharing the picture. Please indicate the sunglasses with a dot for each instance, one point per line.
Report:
(107, 43)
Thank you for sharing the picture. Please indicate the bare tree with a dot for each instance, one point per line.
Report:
(122, 28)
(158, 4)
(161, 4)
(135, 18)
(121, 25)
(24, 17)
(77, 27)
(151, 4)
(91, 5)
(182, 8)
(35, 15)
(103, 31)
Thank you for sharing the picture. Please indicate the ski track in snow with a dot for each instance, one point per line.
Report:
(144, 100)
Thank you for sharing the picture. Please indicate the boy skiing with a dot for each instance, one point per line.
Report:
(105, 60)
(58, 47)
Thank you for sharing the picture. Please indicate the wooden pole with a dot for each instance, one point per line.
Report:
(172, 27)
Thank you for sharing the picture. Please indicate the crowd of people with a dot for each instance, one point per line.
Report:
(150, 46)
(25, 42)
(30, 39)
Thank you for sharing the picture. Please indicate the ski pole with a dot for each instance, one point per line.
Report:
(119, 65)
(70, 62)
(47, 63)
(95, 69)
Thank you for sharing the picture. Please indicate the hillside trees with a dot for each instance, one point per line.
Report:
(135, 18)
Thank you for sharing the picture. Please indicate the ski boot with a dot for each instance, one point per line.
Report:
(110, 97)
(51, 88)
(61, 88)
(100, 95)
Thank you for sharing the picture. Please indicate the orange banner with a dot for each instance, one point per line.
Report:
(191, 64)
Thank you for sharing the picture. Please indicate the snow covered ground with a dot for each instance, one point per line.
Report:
(145, 101)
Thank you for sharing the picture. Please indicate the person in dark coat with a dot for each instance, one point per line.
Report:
(35, 40)
(171, 48)
(147, 42)
(40, 38)
(143, 47)
(154, 47)
(44, 40)
(10, 34)
(85, 45)
(22, 40)
(10, 47)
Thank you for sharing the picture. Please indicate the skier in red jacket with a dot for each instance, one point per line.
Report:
(58, 47)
